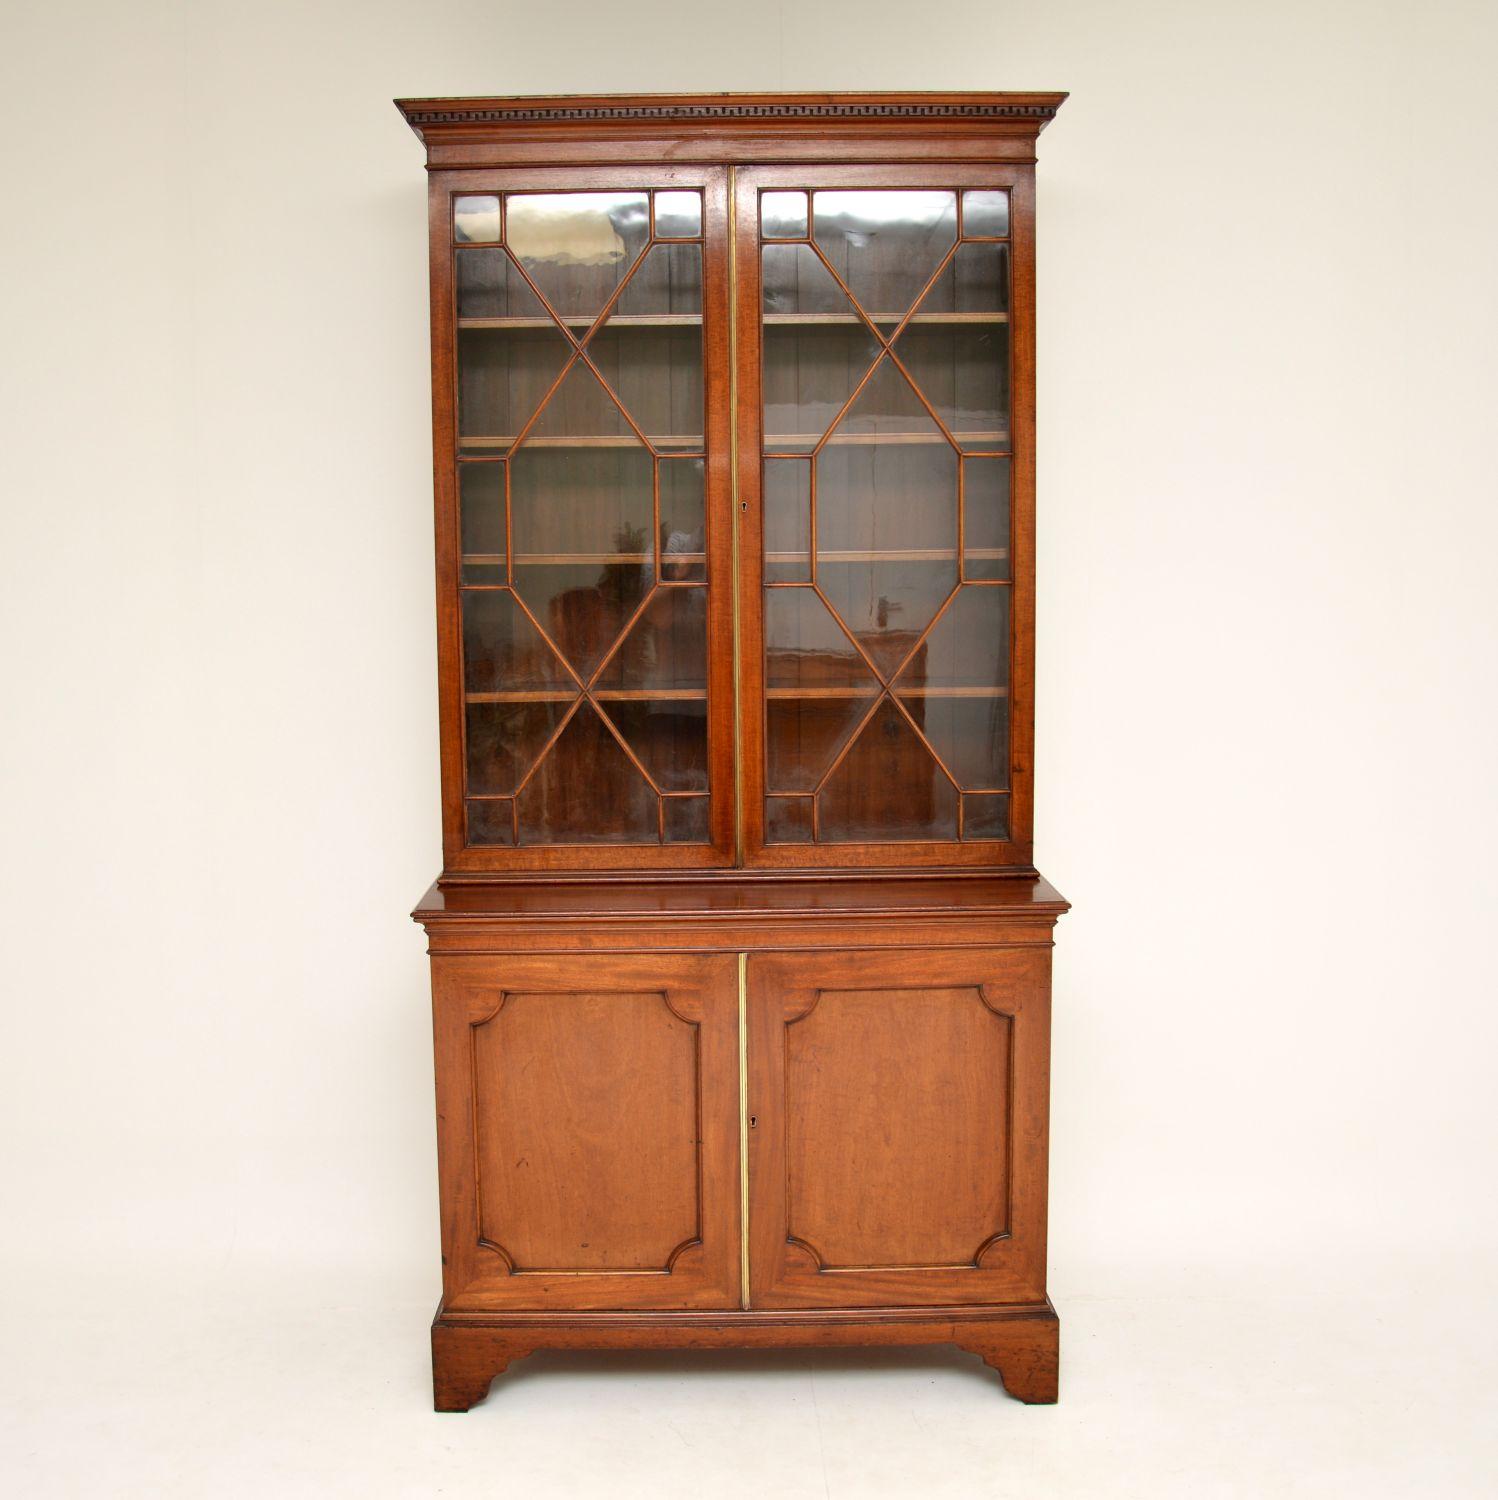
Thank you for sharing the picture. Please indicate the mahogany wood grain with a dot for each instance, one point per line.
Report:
(899, 1110)
(1019, 1342)
(587, 1131)
(635, 1044)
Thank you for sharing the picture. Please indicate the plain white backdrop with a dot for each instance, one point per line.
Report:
(1267, 751)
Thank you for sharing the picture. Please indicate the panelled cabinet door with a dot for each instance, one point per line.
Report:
(588, 1131)
(897, 1127)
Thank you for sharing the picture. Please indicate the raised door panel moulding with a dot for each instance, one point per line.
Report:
(898, 1153)
(587, 1118)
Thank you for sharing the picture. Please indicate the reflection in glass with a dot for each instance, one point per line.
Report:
(782, 216)
(668, 736)
(683, 542)
(665, 650)
(504, 740)
(678, 215)
(787, 512)
(475, 219)
(888, 787)
(804, 734)
(885, 245)
(586, 790)
(985, 213)
(577, 247)
(805, 648)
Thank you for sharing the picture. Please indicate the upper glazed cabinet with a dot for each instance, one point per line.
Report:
(735, 483)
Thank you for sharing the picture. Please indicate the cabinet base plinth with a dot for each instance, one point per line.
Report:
(1021, 1342)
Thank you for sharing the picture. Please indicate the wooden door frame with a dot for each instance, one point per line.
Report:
(712, 181)
(749, 182)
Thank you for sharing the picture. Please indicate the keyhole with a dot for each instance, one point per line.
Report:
(753, 1121)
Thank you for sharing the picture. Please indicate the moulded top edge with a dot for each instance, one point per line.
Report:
(759, 112)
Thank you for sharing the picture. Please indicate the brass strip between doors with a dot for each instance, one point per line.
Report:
(743, 1132)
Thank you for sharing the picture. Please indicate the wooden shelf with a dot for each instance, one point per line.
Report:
(617, 320)
(604, 695)
(873, 691)
(918, 554)
(844, 320)
(692, 444)
(782, 442)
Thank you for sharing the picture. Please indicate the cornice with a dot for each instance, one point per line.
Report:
(445, 121)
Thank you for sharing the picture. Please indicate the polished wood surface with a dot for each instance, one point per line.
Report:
(716, 1068)
(588, 1131)
(898, 1104)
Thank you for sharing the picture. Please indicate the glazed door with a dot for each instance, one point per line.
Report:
(588, 1131)
(897, 1127)
(584, 543)
(885, 365)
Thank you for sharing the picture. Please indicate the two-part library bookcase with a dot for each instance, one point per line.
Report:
(740, 962)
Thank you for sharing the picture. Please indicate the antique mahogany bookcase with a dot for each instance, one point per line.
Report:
(740, 962)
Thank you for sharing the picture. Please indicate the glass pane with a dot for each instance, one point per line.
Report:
(668, 284)
(885, 245)
(985, 212)
(816, 348)
(489, 286)
(678, 215)
(586, 790)
(985, 511)
(788, 820)
(577, 247)
(804, 647)
(963, 371)
(580, 524)
(975, 285)
(804, 734)
(505, 739)
(475, 219)
(665, 650)
(985, 816)
(481, 509)
(668, 737)
(782, 216)
(503, 376)
(888, 787)
(956, 687)
(502, 650)
(683, 547)
(489, 821)
(656, 372)
(686, 820)
(887, 539)
(787, 508)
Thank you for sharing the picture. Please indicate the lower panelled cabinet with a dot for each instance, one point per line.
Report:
(811, 1148)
